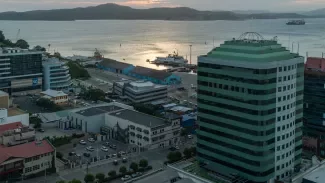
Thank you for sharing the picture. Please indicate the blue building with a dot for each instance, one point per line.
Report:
(115, 66)
(155, 76)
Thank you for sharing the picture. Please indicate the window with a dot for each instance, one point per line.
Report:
(279, 109)
(285, 68)
(283, 127)
(279, 79)
(284, 98)
(280, 69)
(278, 168)
(279, 99)
(28, 169)
(279, 89)
(278, 148)
(284, 88)
(278, 138)
(285, 78)
(279, 129)
(279, 119)
(278, 158)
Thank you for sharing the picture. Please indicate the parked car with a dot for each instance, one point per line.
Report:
(41, 130)
(103, 148)
(189, 136)
(78, 155)
(91, 139)
(122, 153)
(126, 177)
(106, 144)
(113, 146)
(90, 148)
(82, 142)
(172, 148)
(87, 155)
(115, 162)
(124, 160)
(114, 155)
(72, 153)
(176, 147)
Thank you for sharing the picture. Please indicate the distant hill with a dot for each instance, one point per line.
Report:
(318, 12)
(245, 12)
(114, 11)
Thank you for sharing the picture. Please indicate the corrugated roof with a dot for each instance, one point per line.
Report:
(26, 150)
(54, 93)
(109, 63)
(157, 74)
(10, 126)
(315, 63)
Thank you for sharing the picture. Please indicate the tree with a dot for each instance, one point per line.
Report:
(174, 156)
(75, 181)
(123, 170)
(183, 132)
(89, 178)
(39, 48)
(57, 55)
(143, 163)
(100, 177)
(112, 173)
(193, 151)
(60, 181)
(22, 44)
(2, 36)
(48, 104)
(134, 166)
(187, 153)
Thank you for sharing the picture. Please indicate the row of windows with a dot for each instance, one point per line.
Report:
(228, 155)
(236, 88)
(285, 117)
(238, 69)
(234, 147)
(285, 146)
(237, 79)
(286, 107)
(236, 118)
(285, 68)
(284, 88)
(253, 102)
(238, 109)
(287, 97)
(37, 157)
(284, 126)
(285, 136)
(284, 78)
(232, 127)
(236, 167)
(237, 138)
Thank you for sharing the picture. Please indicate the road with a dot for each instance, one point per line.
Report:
(155, 158)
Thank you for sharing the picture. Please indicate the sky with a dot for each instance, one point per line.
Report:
(271, 5)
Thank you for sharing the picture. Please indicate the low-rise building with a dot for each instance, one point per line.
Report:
(15, 133)
(26, 159)
(155, 76)
(142, 130)
(115, 66)
(56, 75)
(92, 118)
(140, 91)
(4, 100)
(58, 97)
(12, 115)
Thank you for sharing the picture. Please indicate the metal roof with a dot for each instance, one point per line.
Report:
(109, 63)
(92, 111)
(152, 73)
(140, 118)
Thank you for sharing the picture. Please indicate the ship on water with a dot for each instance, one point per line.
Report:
(171, 59)
(296, 22)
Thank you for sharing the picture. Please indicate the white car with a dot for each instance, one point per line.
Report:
(82, 142)
(103, 148)
(114, 155)
(176, 147)
(90, 148)
(126, 177)
(189, 136)
(122, 153)
(91, 139)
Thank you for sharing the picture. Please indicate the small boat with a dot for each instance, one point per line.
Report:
(296, 22)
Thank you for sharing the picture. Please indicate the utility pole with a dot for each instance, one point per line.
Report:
(191, 54)
(292, 46)
(213, 42)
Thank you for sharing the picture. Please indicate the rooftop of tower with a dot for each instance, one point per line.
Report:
(253, 47)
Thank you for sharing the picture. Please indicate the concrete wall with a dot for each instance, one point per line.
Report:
(88, 124)
(14, 138)
(23, 118)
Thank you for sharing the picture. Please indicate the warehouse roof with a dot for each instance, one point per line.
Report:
(109, 63)
(140, 118)
(144, 71)
(92, 111)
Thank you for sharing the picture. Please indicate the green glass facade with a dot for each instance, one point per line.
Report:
(237, 108)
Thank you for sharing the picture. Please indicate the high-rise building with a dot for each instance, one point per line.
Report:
(250, 109)
(20, 70)
(56, 75)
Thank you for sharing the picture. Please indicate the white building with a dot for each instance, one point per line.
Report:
(90, 119)
(55, 75)
(12, 115)
(58, 97)
(140, 91)
(143, 130)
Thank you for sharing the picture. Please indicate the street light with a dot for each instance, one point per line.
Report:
(191, 54)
